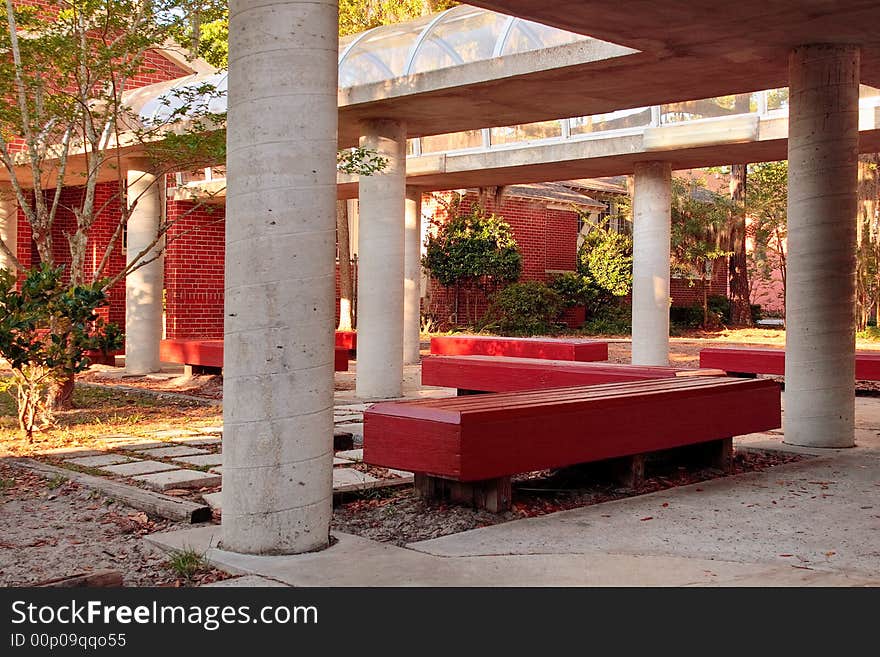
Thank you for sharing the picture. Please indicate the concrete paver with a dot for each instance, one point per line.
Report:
(201, 460)
(98, 460)
(179, 479)
(138, 468)
(173, 452)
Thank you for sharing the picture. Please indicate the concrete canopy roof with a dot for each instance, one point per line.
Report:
(682, 50)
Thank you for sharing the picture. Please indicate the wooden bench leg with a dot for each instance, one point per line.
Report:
(629, 471)
(193, 370)
(493, 495)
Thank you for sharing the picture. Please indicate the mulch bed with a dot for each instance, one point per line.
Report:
(398, 516)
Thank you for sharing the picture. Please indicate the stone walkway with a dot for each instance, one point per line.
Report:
(192, 459)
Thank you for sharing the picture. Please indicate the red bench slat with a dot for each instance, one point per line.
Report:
(209, 353)
(347, 339)
(488, 436)
(505, 374)
(756, 360)
(550, 348)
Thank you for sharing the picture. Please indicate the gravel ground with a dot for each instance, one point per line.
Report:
(54, 528)
(399, 517)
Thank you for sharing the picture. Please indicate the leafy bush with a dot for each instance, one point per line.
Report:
(610, 320)
(529, 308)
(574, 289)
(45, 328)
(719, 313)
(471, 247)
(606, 258)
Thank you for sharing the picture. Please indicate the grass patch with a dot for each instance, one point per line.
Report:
(57, 481)
(186, 563)
(103, 411)
(6, 482)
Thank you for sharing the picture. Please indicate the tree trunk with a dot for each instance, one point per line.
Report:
(737, 270)
(866, 246)
(60, 397)
(346, 281)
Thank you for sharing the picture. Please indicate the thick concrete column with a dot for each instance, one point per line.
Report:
(823, 143)
(380, 264)
(280, 271)
(412, 276)
(143, 286)
(8, 223)
(652, 198)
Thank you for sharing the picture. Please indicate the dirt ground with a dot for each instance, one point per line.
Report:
(400, 517)
(51, 528)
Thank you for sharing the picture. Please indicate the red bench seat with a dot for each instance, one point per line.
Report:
(551, 348)
(206, 356)
(756, 360)
(477, 442)
(502, 374)
(347, 339)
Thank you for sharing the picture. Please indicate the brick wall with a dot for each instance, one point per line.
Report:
(107, 201)
(194, 271)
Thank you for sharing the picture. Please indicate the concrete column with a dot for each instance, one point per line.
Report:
(823, 142)
(143, 286)
(412, 277)
(8, 223)
(280, 271)
(652, 199)
(380, 264)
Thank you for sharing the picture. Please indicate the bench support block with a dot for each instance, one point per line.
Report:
(493, 495)
(193, 370)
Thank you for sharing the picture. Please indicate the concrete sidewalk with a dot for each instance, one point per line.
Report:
(815, 522)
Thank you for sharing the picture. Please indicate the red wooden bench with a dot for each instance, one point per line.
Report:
(466, 448)
(552, 348)
(206, 356)
(347, 339)
(502, 374)
(755, 360)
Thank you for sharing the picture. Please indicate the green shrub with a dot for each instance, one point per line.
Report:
(529, 308)
(610, 320)
(606, 259)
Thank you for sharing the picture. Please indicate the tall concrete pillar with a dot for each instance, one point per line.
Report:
(280, 276)
(8, 224)
(380, 264)
(143, 286)
(652, 199)
(412, 276)
(823, 143)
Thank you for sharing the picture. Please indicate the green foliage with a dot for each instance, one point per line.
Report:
(611, 319)
(574, 289)
(767, 207)
(45, 327)
(361, 161)
(604, 271)
(187, 563)
(529, 308)
(359, 15)
(870, 333)
(473, 248)
(106, 336)
(606, 260)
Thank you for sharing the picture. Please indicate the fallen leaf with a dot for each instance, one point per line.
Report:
(646, 518)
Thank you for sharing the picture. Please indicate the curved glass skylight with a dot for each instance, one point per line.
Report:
(460, 35)
(456, 36)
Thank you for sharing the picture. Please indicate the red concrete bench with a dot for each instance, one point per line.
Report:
(466, 448)
(754, 360)
(501, 374)
(551, 348)
(206, 356)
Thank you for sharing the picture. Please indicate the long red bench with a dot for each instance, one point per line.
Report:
(504, 374)
(347, 339)
(550, 348)
(206, 356)
(466, 448)
(756, 360)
